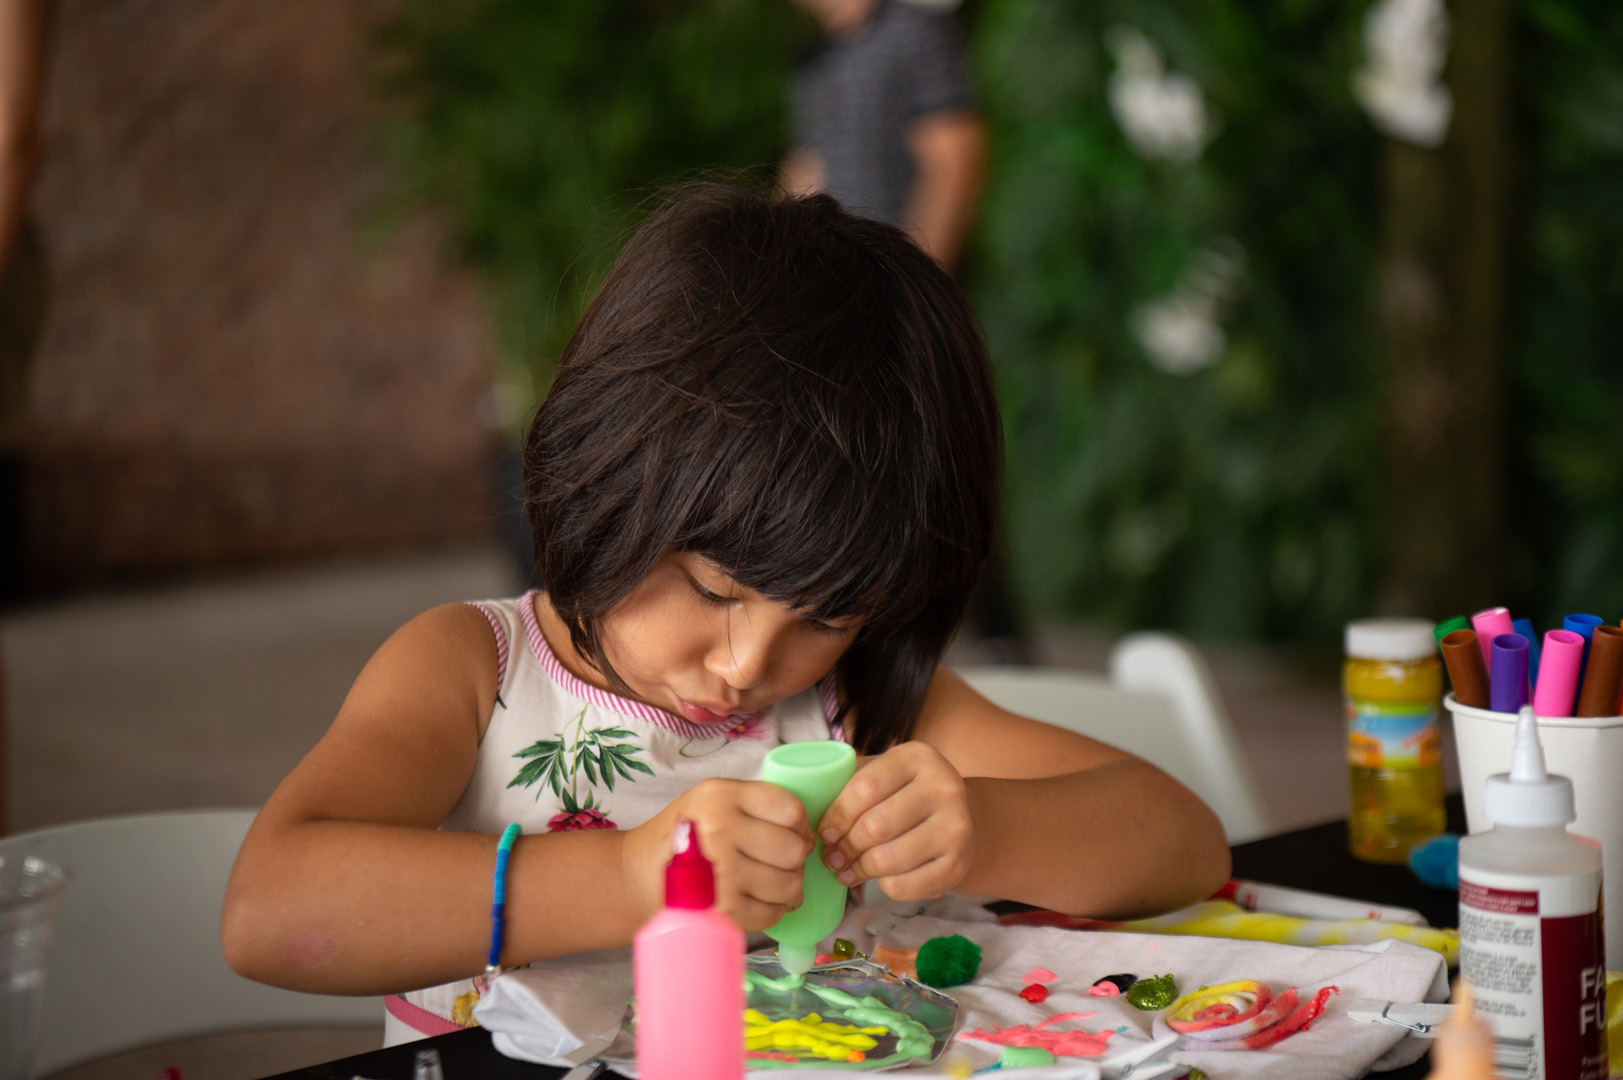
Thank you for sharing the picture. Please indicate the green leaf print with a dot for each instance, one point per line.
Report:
(618, 759)
(603, 754)
(545, 765)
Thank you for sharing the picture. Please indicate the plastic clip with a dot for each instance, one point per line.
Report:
(1420, 1018)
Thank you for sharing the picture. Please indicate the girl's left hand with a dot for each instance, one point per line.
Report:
(904, 819)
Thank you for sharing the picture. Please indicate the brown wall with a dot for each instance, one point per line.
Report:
(240, 366)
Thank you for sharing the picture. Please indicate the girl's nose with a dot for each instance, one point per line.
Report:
(743, 653)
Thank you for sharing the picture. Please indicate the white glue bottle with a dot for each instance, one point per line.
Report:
(1530, 924)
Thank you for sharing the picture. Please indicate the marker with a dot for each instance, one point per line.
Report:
(1603, 675)
(1584, 627)
(1281, 900)
(1465, 668)
(1507, 673)
(1558, 677)
(1524, 627)
(1448, 626)
(1489, 623)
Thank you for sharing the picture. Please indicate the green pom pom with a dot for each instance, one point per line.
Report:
(948, 961)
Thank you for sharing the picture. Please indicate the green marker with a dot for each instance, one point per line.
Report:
(816, 772)
(1448, 626)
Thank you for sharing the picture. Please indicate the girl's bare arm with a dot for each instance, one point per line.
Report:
(345, 884)
(990, 803)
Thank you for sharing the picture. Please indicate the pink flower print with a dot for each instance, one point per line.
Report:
(753, 726)
(579, 821)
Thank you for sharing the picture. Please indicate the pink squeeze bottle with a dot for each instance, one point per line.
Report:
(688, 964)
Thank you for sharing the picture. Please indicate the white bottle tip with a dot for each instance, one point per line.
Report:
(1527, 795)
(796, 959)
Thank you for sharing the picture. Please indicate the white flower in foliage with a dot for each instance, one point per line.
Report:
(1180, 332)
(1163, 114)
(1406, 44)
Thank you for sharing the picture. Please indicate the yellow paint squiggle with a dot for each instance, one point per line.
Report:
(811, 1034)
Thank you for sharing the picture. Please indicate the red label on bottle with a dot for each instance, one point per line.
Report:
(1574, 967)
(1498, 901)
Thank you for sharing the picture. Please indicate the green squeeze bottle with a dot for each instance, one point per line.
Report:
(816, 772)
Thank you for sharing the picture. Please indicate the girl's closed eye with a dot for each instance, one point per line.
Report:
(707, 596)
(832, 630)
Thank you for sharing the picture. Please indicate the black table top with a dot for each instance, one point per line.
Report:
(1314, 858)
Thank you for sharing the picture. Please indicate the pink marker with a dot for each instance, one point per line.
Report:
(1558, 673)
(1489, 623)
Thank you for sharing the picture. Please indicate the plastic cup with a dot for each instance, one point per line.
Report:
(1588, 750)
(30, 893)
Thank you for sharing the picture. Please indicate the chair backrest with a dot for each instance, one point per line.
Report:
(1159, 702)
(137, 958)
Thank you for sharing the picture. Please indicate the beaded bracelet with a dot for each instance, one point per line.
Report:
(498, 904)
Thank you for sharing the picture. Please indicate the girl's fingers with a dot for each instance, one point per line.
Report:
(877, 780)
(901, 855)
(773, 805)
(757, 895)
(751, 914)
(922, 883)
(770, 845)
(896, 817)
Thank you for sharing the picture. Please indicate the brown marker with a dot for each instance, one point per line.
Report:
(1603, 675)
(1465, 668)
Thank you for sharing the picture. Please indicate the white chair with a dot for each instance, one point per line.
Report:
(1159, 703)
(137, 959)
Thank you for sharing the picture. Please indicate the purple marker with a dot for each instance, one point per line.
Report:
(1558, 675)
(1507, 675)
(1524, 627)
(1489, 623)
(1584, 627)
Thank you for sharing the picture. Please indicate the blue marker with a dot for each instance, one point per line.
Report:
(1535, 647)
(1583, 626)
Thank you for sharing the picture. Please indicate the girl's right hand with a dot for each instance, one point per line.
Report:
(755, 835)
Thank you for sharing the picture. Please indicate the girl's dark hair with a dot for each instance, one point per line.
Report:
(795, 393)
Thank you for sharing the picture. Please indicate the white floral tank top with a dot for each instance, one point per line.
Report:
(560, 755)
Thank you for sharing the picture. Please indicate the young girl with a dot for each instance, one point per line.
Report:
(762, 486)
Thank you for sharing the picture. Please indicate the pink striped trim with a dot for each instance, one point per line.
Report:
(601, 698)
(829, 687)
(501, 642)
(418, 1018)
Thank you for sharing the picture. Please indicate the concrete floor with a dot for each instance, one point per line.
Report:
(205, 694)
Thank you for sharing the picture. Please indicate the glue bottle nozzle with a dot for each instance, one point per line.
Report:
(1528, 796)
(1527, 762)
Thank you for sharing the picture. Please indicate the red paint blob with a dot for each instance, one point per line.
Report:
(1036, 993)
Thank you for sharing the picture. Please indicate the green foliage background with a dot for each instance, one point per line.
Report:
(544, 128)
(1567, 427)
(1236, 501)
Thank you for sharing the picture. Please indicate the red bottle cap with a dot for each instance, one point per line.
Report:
(690, 882)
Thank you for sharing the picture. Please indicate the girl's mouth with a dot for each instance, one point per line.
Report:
(700, 714)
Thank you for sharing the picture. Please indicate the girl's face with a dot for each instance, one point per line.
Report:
(694, 642)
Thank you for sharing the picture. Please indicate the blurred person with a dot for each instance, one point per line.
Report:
(22, 274)
(884, 119)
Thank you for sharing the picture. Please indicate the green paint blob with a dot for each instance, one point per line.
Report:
(1155, 992)
(788, 984)
(913, 1039)
(1024, 1057)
